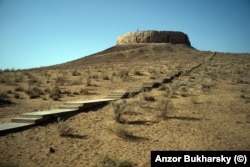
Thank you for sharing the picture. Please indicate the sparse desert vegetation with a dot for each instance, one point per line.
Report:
(202, 109)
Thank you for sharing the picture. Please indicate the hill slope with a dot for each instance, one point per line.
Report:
(204, 109)
(136, 52)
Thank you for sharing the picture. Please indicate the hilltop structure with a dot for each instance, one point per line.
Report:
(153, 37)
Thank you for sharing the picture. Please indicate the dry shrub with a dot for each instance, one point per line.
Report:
(78, 81)
(246, 80)
(63, 128)
(184, 91)
(163, 87)
(106, 161)
(152, 70)
(76, 73)
(33, 80)
(76, 93)
(8, 164)
(34, 92)
(84, 91)
(168, 92)
(152, 77)
(17, 95)
(123, 73)
(236, 79)
(114, 73)
(19, 77)
(164, 106)
(55, 93)
(4, 99)
(19, 89)
(60, 80)
(88, 80)
(138, 72)
(118, 107)
(105, 77)
(245, 90)
(207, 84)
(197, 100)
(95, 76)
(124, 133)
(147, 97)
(163, 70)
(7, 80)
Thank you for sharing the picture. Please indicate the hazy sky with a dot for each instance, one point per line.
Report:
(35, 33)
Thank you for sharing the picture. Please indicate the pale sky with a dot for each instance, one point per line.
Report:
(35, 33)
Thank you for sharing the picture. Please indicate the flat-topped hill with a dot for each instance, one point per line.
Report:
(152, 36)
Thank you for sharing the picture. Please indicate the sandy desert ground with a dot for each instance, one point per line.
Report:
(205, 109)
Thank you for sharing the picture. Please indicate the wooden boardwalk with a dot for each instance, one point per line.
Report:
(26, 120)
(30, 119)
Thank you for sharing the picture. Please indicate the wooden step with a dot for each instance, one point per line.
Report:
(118, 93)
(159, 81)
(89, 101)
(114, 97)
(27, 120)
(175, 73)
(9, 127)
(134, 89)
(166, 79)
(147, 84)
(29, 115)
(46, 113)
(71, 106)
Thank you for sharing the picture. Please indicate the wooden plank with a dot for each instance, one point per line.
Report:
(27, 120)
(159, 81)
(91, 101)
(49, 112)
(134, 89)
(8, 127)
(147, 84)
